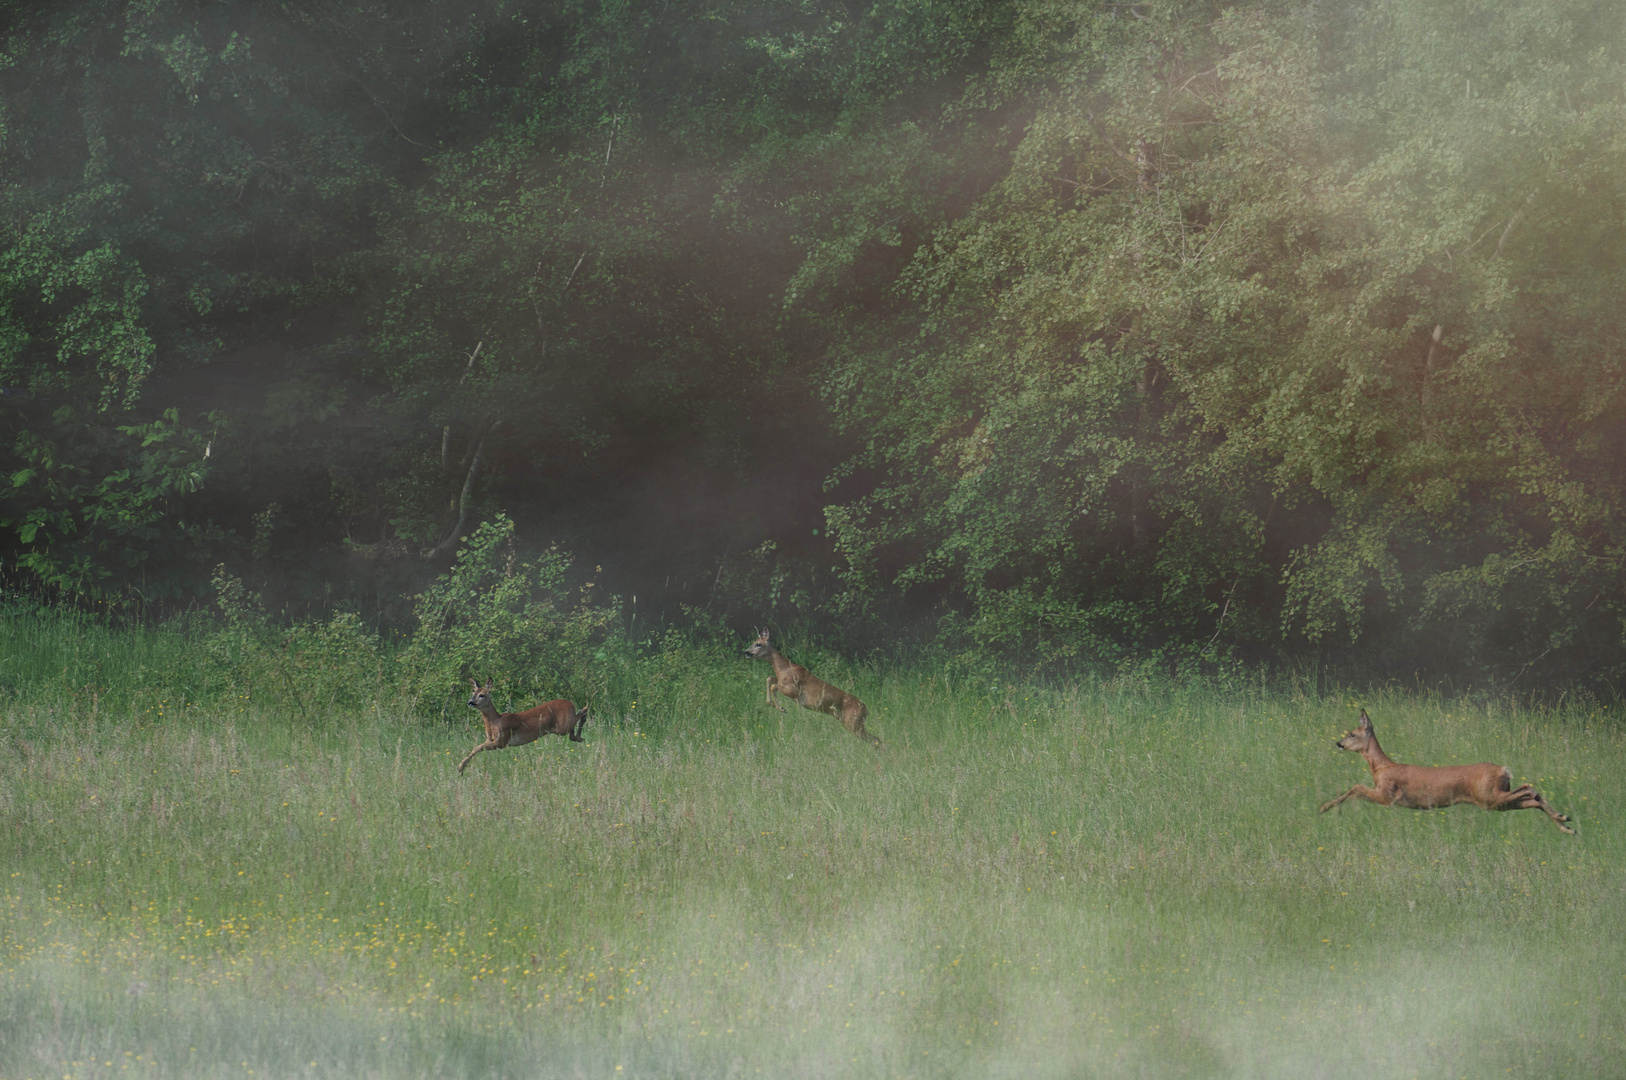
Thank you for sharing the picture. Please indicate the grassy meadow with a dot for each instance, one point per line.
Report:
(1113, 881)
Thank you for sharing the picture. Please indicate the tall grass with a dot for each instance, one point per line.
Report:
(1118, 880)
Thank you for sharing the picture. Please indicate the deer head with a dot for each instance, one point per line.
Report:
(761, 647)
(1360, 739)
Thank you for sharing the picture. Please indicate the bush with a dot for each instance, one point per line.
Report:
(314, 666)
(516, 624)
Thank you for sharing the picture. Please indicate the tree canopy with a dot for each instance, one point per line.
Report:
(1084, 333)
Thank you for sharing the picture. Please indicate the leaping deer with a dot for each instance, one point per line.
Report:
(796, 682)
(516, 729)
(1421, 787)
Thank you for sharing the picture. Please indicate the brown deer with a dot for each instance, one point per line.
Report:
(795, 681)
(518, 728)
(1422, 787)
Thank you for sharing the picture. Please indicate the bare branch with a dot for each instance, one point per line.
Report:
(572, 276)
(337, 69)
(1514, 220)
(615, 119)
(1223, 612)
(446, 432)
(442, 549)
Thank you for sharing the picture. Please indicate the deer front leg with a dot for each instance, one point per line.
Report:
(489, 744)
(1360, 790)
(772, 683)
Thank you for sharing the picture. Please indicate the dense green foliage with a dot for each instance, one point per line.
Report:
(1171, 334)
(1318, 314)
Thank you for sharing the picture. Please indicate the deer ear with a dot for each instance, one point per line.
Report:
(1366, 721)
(476, 684)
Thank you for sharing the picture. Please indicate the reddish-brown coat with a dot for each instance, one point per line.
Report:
(807, 690)
(1422, 787)
(516, 729)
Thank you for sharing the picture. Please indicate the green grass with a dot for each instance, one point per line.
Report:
(1107, 882)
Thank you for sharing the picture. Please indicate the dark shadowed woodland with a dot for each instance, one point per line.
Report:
(1177, 336)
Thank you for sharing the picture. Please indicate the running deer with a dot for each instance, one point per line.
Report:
(795, 681)
(1421, 787)
(518, 728)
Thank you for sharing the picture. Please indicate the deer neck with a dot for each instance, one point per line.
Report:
(777, 659)
(489, 711)
(1375, 757)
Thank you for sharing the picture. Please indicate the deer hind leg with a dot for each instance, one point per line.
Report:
(853, 720)
(489, 744)
(1558, 819)
(1528, 798)
(1535, 800)
(1359, 791)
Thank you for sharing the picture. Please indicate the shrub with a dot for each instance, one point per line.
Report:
(313, 666)
(515, 623)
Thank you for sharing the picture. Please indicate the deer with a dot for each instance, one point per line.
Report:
(516, 729)
(810, 692)
(1423, 787)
